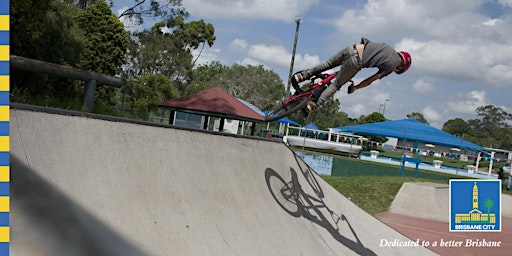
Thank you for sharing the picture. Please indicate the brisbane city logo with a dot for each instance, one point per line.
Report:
(475, 205)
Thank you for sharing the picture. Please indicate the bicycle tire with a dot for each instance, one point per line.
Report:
(283, 110)
(284, 195)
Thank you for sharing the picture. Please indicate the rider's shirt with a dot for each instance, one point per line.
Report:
(381, 56)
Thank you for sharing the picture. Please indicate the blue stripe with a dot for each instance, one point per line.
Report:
(4, 7)
(4, 67)
(4, 159)
(4, 188)
(4, 37)
(4, 98)
(4, 248)
(4, 128)
(4, 219)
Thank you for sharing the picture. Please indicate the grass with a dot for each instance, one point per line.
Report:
(374, 194)
(373, 186)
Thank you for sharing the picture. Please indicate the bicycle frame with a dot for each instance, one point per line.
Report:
(300, 100)
(309, 93)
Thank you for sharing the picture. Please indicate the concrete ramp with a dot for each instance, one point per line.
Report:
(93, 186)
(431, 201)
(423, 200)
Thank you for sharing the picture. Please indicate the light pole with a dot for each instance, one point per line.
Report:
(293, 58)
(384, 108)
(380, 107)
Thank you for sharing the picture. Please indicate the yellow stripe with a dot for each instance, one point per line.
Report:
(4, 53)
(4, 143)
(4, 174)
(4, 22)
(4, 204)
(4, 83)
(4, 234)
(4, 113)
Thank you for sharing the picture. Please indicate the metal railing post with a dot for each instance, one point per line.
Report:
(90, 91)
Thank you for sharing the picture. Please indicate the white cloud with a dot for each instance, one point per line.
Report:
(238, 45)
(422, 86)
(507, 3)
(447, 39)
(306, 61)
(490, 22)
(277, 56)
(206, 56)
(284, 10)
(500, 74)
(357, 110)
(467, 103)
(432, 115)
(252, 62)
(474, 60)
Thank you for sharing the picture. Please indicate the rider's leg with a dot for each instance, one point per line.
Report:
(351, 65)
(334, 61)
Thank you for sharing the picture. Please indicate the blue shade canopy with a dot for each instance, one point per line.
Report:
(311, 126)
(412, 130)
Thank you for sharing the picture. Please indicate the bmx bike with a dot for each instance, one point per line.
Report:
(300, 100)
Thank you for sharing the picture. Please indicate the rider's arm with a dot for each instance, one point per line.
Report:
(367, 81)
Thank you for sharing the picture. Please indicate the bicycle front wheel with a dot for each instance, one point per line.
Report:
(282, 110)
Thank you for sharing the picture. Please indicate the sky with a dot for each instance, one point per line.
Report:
(461, 49)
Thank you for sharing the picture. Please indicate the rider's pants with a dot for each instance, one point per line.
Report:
(348, 59)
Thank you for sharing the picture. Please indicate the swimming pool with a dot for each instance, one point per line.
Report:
(427, 166)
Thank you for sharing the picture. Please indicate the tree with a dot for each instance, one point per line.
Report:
(456, 126)
(166, 49)
(492, 129)
(206, 76)
(493, 116)
(166, 9)
(489, 204)
(372, 118)
(105, 43)
(146, 92)
(194, 34)
(325, 116)
(106, 40)
(44, 30)
(417, 116)
(254, 84)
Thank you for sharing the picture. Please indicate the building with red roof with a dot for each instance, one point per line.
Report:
(196, 110)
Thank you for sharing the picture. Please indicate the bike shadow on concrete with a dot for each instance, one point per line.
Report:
(47, 222)
(292, 198)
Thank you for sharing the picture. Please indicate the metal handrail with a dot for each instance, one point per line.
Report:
(91, 78)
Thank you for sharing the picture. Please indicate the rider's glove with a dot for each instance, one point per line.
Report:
(351, 88)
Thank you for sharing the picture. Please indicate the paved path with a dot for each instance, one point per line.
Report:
(455, 242)
(88, 186)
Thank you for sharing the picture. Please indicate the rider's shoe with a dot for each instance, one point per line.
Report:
(299, 77)
(311, 106)
(306, 111)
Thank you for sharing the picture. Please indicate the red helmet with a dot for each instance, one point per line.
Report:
(406, 62)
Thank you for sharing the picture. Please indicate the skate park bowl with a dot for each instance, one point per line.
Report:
(85, 184)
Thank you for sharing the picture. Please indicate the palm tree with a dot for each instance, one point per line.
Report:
(489, 204)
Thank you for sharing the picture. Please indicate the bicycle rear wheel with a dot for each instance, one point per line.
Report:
(282, 110)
